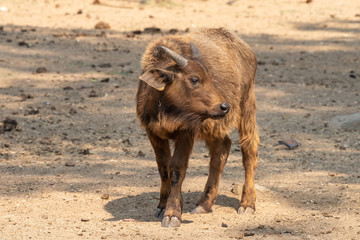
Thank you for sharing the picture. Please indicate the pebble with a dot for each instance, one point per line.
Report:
(93, 94)
(249, 234)
(9, 125)
(105, 65)
(41, 70)
(102, 25)
(85, 151)
(352, 75)
(68, 88)
(23, 43)
(141, 154)
(70, 164)
(173, 31)
(105, 196)
(152, 30)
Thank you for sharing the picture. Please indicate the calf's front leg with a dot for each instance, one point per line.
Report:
(184, 143)
(249, 147)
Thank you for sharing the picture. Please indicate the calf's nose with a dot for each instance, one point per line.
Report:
(225, 107)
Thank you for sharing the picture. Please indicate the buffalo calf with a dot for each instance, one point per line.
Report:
(198, 87)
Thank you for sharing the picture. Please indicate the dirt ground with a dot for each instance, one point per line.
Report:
(74, 163)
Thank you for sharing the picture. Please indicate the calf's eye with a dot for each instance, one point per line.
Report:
(194, 80)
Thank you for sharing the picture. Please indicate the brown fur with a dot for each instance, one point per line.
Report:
(183, 112)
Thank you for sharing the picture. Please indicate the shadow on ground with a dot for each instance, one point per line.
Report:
(142, 207)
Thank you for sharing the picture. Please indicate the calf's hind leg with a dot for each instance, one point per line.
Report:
(219, 151)
(163, 156)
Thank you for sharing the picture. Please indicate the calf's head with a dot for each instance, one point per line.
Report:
(186, 85)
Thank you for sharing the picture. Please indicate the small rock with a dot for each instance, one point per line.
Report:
(249, 234)
(85, 151)
(173, 31)
(141, 154)
(346, 122)
(72, 111)
(231, 2)
(102, 25)
(290, 143)
(327, 215)
(276, 62)
(105, 196)
(93, 94)
(70, 164)
(41, 70)
(105, 65)
(79, 11)
(67, 88)
(105, 137)
(126, 150)
(9, 125)
(105, 80)
(85, 219)
(24, 97)
(31, 111)
(152, 30)
(127, 142)
(352, 75)
(137, 32)
(130, 35)
(224, 225)
(24, 44)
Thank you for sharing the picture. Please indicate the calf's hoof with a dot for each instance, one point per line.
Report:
(159, 212)
(246, 210)
(170, 222)
(199, 210)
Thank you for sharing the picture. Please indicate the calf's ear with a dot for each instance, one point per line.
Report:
(156, 78)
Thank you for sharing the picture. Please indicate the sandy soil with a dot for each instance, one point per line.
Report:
(78, 166)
